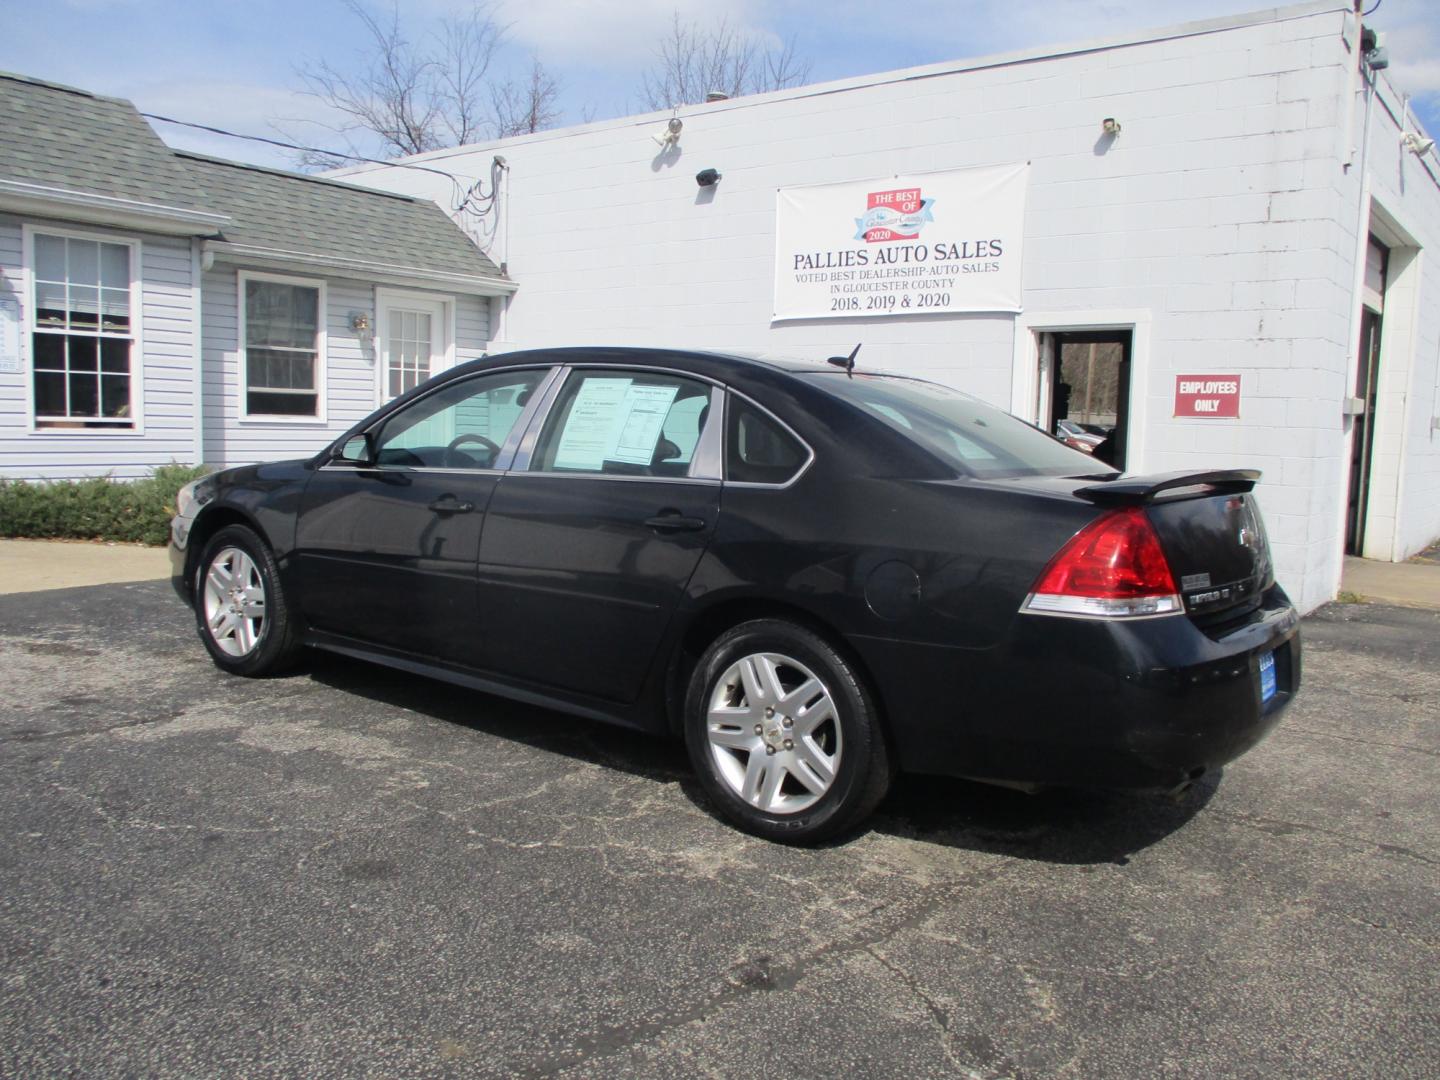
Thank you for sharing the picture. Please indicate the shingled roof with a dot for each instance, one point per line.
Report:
(59, 137)
(330, 221)
(63, 144)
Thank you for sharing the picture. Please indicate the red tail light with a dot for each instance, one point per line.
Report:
(1111, 568)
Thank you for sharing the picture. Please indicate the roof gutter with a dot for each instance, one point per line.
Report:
(18, 197)
(334, 266)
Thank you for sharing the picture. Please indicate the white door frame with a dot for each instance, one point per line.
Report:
(1025, 366)
(444, 350)
(1399, 346)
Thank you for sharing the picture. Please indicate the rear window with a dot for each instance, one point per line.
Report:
(757, 449)
(977, 439)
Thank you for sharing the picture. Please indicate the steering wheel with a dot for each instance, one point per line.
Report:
(451, 459)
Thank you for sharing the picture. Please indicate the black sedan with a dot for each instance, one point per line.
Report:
(816, 576)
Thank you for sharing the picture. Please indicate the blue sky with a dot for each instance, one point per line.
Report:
(234, 64)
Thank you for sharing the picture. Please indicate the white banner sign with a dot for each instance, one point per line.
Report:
(909, 245)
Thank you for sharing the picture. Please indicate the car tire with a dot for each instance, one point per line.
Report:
(784, 734)
(241, 611)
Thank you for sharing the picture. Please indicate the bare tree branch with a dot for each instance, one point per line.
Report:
(527, 107)
(466, 48)
(414, 97)
(692, 62)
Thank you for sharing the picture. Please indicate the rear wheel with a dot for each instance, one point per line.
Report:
(783, 733)
(240, 608)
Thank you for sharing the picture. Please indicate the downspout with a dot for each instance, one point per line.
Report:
(197, 247)
(1362, 240)
(1358, 59)
(502, 305)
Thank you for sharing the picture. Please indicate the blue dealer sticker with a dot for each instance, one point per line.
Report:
(1267, 676)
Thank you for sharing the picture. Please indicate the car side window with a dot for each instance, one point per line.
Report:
(757, 449)
(462, 426)
(629, 423)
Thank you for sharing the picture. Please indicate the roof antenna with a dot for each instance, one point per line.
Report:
(847, 362)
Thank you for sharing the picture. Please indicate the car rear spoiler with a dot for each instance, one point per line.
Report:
(1139, 490)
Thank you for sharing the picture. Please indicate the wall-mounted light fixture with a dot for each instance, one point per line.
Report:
(671, 135)
(360, 323)
(1416, 143)
(707, 178)
(1110, 126)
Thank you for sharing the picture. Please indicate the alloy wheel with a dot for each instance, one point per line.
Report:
(234, 602)
(774, 733)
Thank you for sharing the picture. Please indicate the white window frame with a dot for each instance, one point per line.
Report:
(28, 323)
(322, 405)
(383, 299)
(1025, 364)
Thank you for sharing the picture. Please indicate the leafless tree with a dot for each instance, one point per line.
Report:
(523, 108)
(417, 96)
(692, 61)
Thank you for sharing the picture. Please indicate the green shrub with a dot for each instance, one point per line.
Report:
(96, 508)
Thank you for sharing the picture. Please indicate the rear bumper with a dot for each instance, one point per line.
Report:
(1147, 703)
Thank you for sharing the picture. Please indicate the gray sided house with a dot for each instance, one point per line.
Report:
(159, 306)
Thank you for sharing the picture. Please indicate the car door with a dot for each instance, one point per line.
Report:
(592, 536)
(386, 545)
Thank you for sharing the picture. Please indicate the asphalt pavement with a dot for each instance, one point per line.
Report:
(346, 872)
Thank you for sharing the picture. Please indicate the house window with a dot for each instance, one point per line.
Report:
(83, 337)
(282, 347)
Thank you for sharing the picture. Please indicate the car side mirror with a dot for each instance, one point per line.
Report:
(357, 450)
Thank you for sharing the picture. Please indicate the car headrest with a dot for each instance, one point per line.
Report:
(523, 398)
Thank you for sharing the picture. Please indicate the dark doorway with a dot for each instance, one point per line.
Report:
(1089, 392)
(1367, 379)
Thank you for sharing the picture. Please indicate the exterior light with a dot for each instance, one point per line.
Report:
(360, 323)
(671, 135)
(1110, 126)
(1417, 144)
(707, 178)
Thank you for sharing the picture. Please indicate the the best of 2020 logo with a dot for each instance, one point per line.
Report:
(893, 215)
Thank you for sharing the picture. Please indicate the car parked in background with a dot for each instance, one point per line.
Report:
(816, 577)
(1076, 436)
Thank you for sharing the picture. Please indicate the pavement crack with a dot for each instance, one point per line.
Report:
(939, 1016)
(1363, 742)
(1281, 827)
(766, 975)
(28, 736)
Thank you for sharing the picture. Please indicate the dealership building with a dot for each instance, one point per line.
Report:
(1206, 241)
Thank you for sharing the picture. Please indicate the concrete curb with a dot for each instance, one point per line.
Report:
(37, 565)
(1408, 584)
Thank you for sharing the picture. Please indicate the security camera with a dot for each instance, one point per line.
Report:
(707, 178)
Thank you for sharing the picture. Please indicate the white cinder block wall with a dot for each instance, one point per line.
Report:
(1222, 223)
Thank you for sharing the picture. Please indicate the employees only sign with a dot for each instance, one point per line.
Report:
(1209, 396)
(910, 245)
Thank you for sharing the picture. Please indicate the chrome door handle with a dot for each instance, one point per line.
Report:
(448, 504)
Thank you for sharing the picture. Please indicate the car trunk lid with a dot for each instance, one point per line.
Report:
(1210, 530)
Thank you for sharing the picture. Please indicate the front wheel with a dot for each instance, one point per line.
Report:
(240, 607)
(783, 733)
